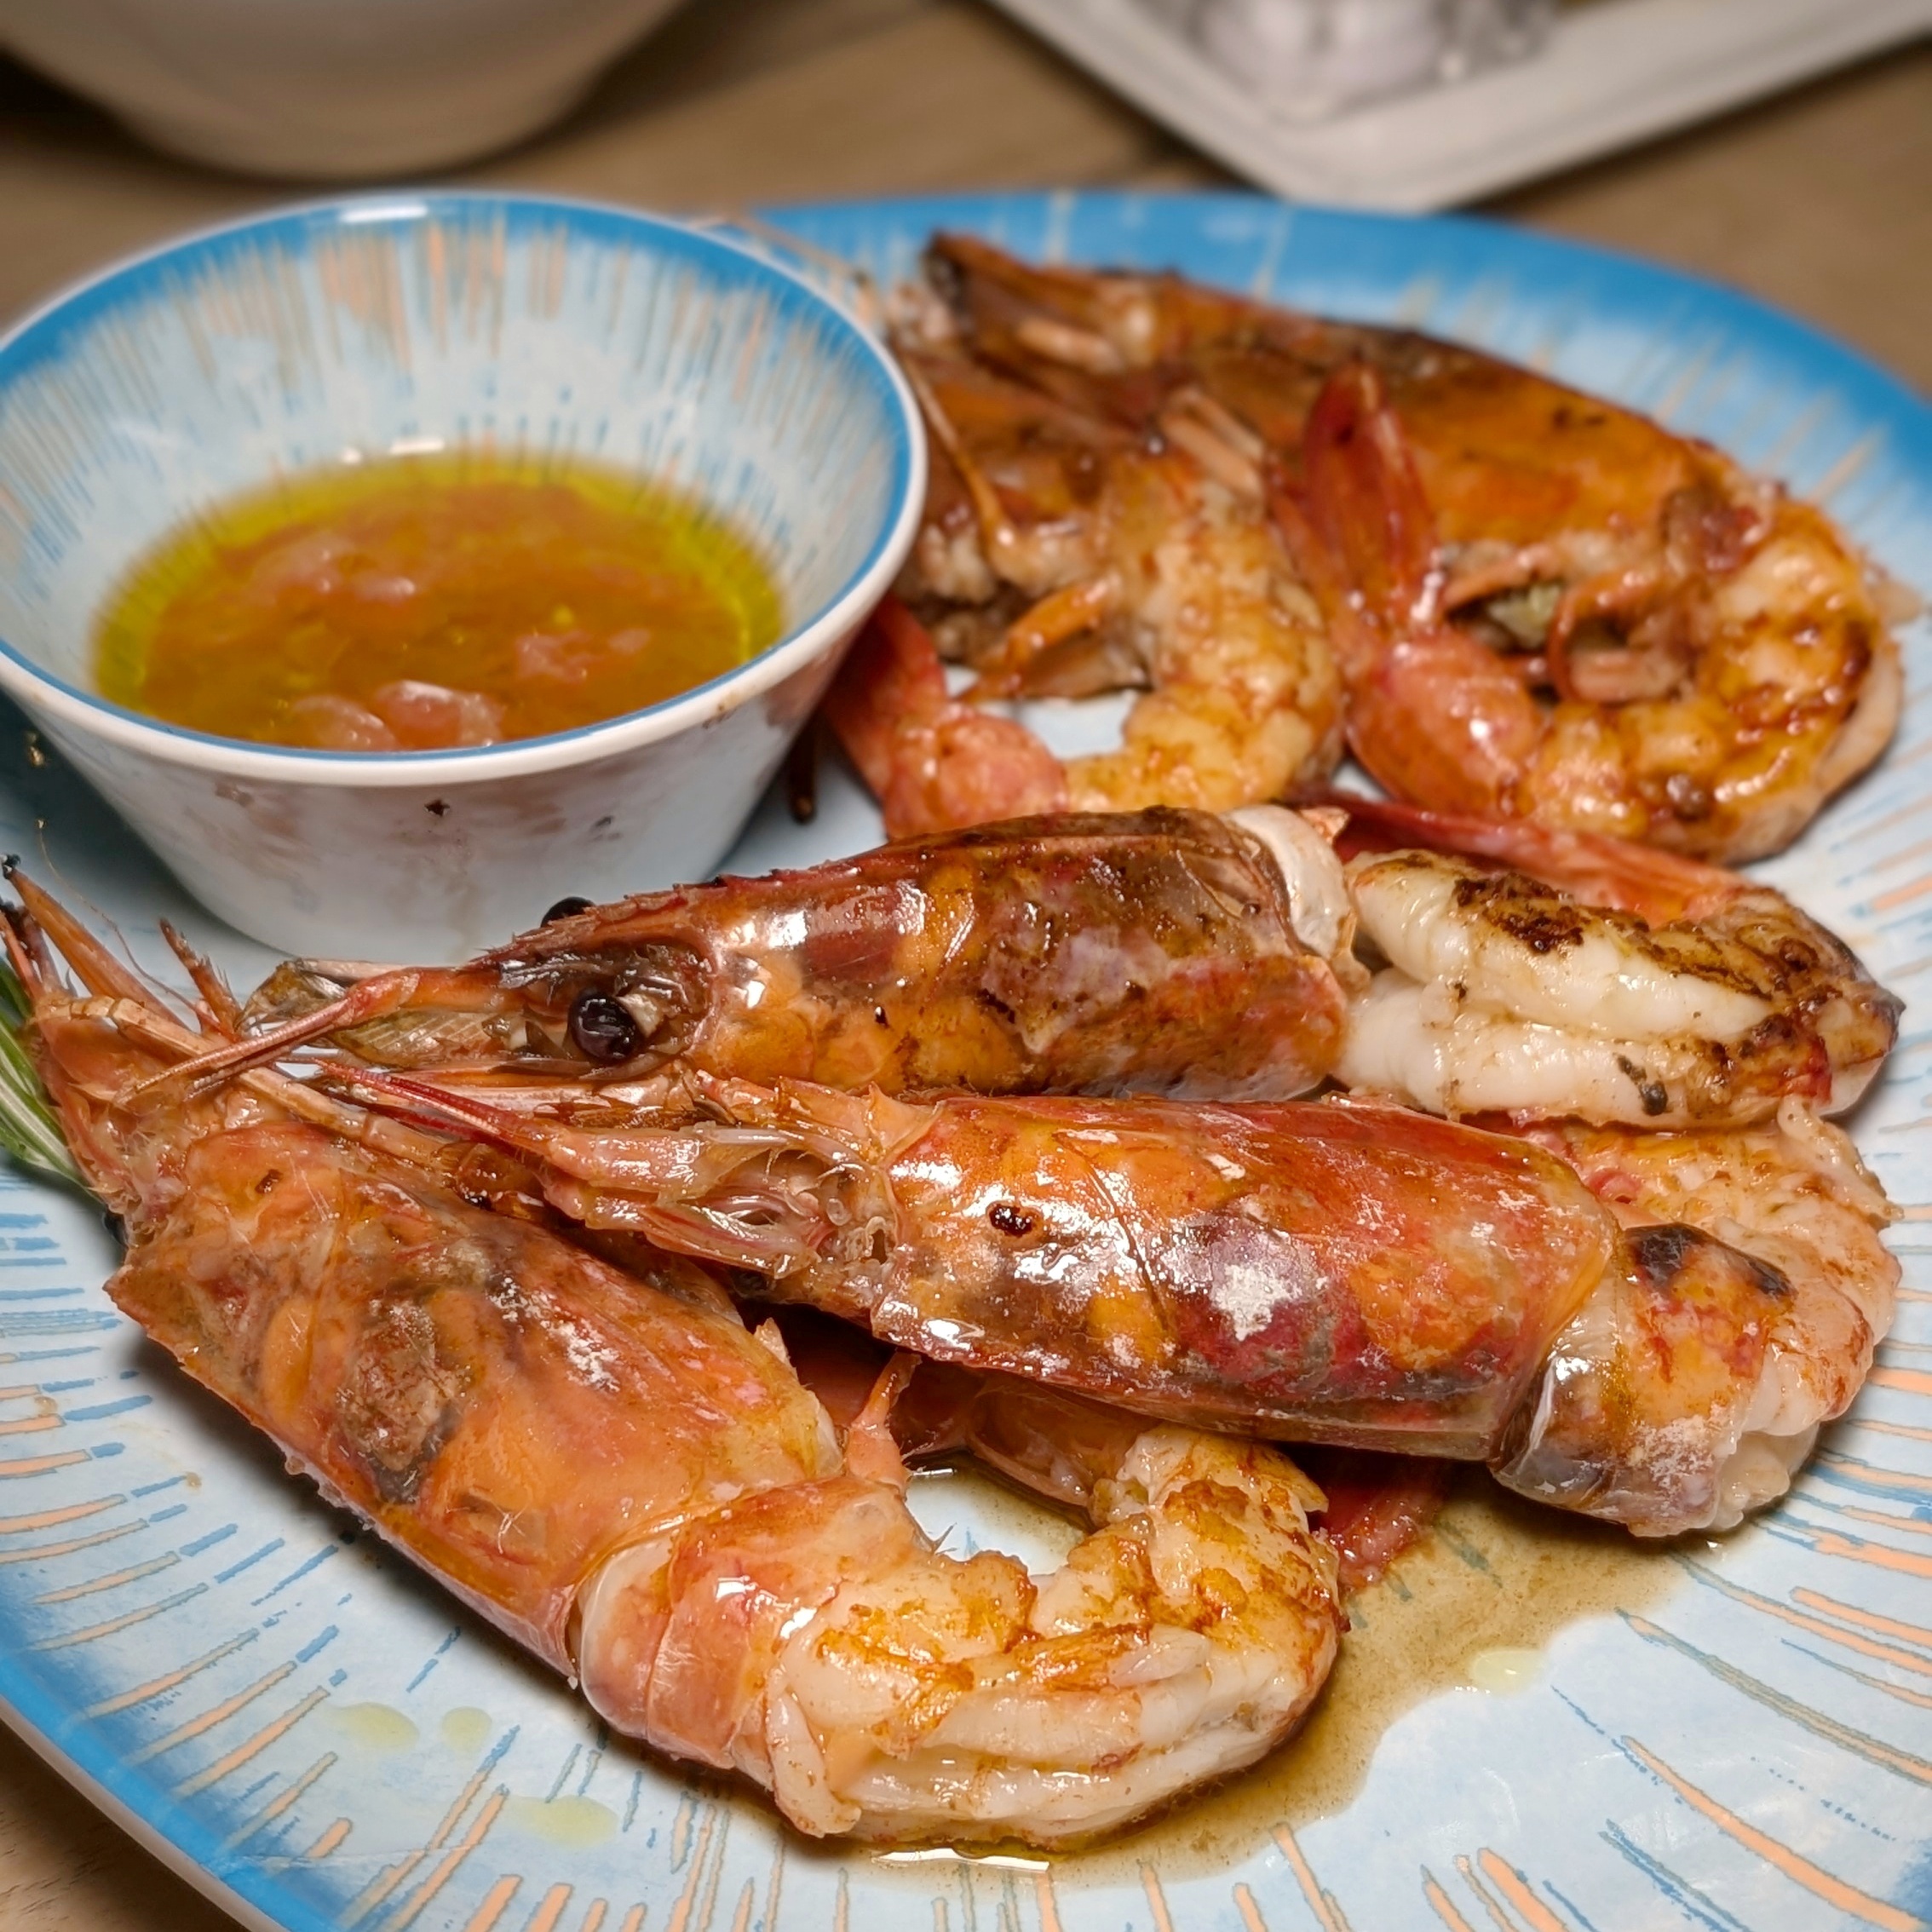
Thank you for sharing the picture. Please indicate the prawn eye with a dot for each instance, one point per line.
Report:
(566, 909)
(602, 1030)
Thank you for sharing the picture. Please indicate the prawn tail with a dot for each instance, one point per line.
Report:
(1365, 501)
(892, 680)
(933, 762)
(1594, 868)
(1432, 712)
(1440, 716)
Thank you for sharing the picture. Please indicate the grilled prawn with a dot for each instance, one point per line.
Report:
(1163, 952)
(1653, 645)
(1137, 567)
(1542, 604)
(1330, 1272)
(1519, 970)
(616, 1473)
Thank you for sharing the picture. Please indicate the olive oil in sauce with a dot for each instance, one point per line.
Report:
(417, 603)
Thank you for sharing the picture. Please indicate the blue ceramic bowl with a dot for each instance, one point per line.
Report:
(391, 322)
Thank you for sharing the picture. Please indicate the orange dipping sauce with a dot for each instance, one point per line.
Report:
(418, 603)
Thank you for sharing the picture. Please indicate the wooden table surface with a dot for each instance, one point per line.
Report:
(1820, 200)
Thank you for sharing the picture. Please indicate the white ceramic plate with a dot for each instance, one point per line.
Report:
(1723, 1736)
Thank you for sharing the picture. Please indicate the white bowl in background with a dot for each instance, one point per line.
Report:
(334, 90)
(175, 379)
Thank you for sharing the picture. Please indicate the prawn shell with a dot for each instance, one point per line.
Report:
(1642, 1396)
(504, 1408)
(1153, 952)
(1320, 1273)
(1685, 1394)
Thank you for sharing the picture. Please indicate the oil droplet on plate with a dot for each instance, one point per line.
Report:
(564, 1820)
(466, 1729)
(1510, 1667)
(375, 1727)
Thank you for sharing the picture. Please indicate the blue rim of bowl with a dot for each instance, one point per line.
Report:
(47, 331)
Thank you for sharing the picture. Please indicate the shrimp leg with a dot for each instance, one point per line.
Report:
(1062, 1446)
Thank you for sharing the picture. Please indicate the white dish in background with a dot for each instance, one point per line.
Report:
(319, 334)
(332, 90)
(1610, 72)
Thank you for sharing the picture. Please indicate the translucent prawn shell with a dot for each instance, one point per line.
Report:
(1329, 1272)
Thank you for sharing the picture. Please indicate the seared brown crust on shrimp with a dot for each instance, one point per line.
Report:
(1667, 649)
(1542, 973)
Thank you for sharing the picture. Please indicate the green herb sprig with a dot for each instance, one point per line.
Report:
(28, 1129)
